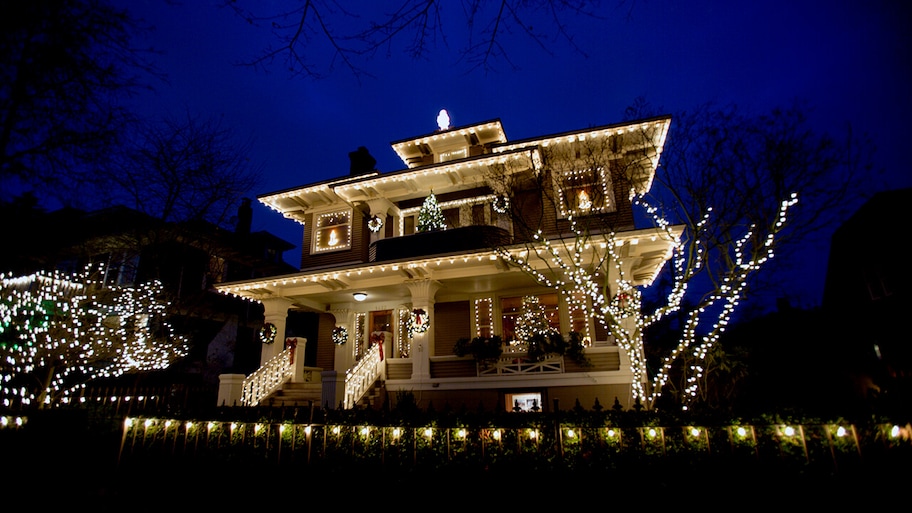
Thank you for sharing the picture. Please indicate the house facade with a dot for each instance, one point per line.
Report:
(398, 268)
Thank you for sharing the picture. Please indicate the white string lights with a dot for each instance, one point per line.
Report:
(67, 330)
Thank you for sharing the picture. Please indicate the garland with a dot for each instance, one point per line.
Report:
(340, 335)
(268, 333)
(375, 224)
(418, 322)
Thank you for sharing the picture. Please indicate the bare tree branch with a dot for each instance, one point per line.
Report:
(306, 31)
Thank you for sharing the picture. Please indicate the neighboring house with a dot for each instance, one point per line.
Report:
(869, 293)
(379, 304)
(188, 258)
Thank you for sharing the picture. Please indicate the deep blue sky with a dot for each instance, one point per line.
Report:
(849, 59)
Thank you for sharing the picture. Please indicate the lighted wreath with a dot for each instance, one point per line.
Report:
(375, 224)
(268, 333)
(340, 335)
(623, 302)
(500, 204)
(418, 322)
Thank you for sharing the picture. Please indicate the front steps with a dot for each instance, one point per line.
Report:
(303, 394)
(295, 394)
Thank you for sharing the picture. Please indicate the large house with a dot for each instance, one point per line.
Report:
(399, 268)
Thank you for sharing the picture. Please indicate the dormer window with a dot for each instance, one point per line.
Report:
(332, 231)
(586, 191)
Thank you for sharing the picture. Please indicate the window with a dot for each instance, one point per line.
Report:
(584, 192)
(478, 215)
(484, 315)
(522, 314)
(578, 320)
(119, 268)
(528, 401)
(452, 217)
(453, 155)
(332, 231)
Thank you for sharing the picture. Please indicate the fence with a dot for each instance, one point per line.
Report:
(543, 444)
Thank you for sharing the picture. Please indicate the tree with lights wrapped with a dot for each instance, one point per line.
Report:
(59, 332)
(430, 217)
(730, 181)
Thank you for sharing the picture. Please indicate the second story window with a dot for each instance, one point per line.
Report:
(332, 231)
(586, 191)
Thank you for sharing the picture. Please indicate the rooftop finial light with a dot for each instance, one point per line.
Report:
(443, 119)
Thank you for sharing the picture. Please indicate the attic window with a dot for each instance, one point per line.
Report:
(332, 231)
(453, 155)
(586, 191)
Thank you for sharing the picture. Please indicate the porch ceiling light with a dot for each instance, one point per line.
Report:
(360, 296)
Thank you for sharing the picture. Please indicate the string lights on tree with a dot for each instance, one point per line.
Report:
(59, 332)
(577, 266)
(430, 217)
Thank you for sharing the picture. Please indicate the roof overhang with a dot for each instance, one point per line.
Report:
(396, 186)
(460, 275)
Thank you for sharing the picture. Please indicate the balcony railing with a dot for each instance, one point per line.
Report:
(517, 363)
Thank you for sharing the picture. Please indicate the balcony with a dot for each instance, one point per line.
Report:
(454, 240)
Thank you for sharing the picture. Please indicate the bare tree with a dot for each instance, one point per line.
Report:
(312, 28)
(181, 168)
(725, 194)
(64, 67)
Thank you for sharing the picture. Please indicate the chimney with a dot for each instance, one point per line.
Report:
(244, 217)
(361, 161)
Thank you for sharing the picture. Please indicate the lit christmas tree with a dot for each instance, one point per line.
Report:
(59, 332)
(430, 217)
(531, 320)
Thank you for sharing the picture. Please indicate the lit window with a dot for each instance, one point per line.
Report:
(586, 191)
(528, 314)
(483, 316)
(453, 155)
(530, 401)
(332, 231)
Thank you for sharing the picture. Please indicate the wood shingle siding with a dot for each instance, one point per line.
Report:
(599, 362)
(464, 368)
(451, 322)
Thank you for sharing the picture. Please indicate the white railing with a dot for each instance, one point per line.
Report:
(359, 378)
(515, 363)
(268, 378)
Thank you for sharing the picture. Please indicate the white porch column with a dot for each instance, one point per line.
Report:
(380, 207)
(344, 357)
(300, 343)
(423, 292)
(230, 389)
(276, 312)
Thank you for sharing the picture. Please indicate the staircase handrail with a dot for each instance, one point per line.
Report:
(359, 378)
(268, 378)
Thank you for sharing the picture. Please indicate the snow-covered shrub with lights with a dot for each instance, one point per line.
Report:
(58, 332)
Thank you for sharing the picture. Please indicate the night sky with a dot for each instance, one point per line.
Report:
(850, 60)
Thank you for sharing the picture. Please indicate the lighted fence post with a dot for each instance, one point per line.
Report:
(123, 439)
(857, 445)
